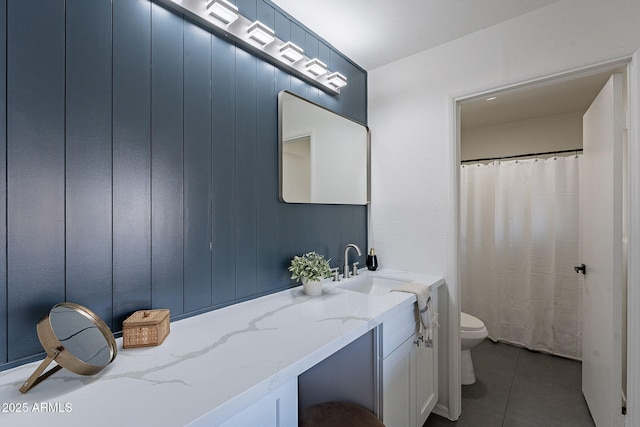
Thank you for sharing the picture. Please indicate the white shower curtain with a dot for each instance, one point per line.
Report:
(519, 246)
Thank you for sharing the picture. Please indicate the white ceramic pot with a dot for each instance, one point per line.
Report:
(311, 287)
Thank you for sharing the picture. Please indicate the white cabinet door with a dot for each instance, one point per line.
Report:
(409, 371)
(398, 386)
(426, 382)
(427, 373)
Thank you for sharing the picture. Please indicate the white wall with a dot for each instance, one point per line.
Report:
(538, 135)
(411, 116)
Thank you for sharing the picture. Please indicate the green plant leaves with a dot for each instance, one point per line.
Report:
(311, 265)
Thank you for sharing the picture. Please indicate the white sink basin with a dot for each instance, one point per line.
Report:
(372, 285)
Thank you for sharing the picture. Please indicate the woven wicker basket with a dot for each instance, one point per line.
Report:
(145, 328)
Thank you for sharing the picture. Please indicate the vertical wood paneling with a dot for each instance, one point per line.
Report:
(339, 64)
(297, 214)
(248, 8)
(299, 228)
(35, 151)
(282, 81)
(356, 217)
(327, 236)
(311, 46)
(299, 36)
(267, 163)
(166, 160)
(353, 98)
(131, 157)
(265, 14)
(36, 169)
(325, 99)
(88, 156)
(246, 175)
(197, 167)
(267, 173)
(223, 83)
(358, 105)
(353, 230)
(313, 214)
(282, 26)
(283, 213)
(134, 140)
(3, 178)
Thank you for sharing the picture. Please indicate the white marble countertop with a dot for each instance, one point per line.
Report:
(214, 364)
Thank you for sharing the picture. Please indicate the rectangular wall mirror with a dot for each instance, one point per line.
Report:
(323, 156)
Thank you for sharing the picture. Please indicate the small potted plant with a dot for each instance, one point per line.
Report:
(311, 268)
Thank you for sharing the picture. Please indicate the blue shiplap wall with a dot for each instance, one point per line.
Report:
(138, 164)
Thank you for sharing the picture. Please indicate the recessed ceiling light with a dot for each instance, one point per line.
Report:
(491, 98)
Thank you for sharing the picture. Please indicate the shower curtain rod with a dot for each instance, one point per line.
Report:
(522, 155)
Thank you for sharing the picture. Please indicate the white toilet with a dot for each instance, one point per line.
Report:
(472, 333)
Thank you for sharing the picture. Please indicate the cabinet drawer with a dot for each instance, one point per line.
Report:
(398, 328)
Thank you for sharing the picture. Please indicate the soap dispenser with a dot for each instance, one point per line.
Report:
(372, 260)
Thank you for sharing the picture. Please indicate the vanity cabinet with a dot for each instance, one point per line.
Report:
(277, 409)
(398, 385)
(427, 380)
(409, 388)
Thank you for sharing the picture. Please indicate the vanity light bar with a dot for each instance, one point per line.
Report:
(223, 10)
(292, 52)
(316, 67)
(222, 17)
(337, 80)
(261, 33)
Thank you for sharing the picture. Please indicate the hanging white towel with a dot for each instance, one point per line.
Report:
(428, 316)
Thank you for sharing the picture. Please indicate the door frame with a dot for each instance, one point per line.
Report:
(632, 65)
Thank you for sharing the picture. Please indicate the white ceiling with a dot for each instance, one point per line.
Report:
(567, 96)
(373, 33)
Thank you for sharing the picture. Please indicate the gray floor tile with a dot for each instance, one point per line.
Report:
(548, 398)
(556, 370)
(495, 356)
(548, 389)
(489, 391)
(494, 365)
(516, 387)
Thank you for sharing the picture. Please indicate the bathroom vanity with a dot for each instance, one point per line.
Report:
(244, 364)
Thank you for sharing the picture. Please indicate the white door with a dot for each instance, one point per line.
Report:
(601, 234)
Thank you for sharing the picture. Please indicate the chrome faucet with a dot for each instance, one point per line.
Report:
(345, 271)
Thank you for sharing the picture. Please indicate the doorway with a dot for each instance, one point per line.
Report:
(531, 105)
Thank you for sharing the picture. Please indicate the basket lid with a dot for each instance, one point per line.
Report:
(146, 317)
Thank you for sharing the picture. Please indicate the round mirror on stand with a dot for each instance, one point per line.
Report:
(76, 338)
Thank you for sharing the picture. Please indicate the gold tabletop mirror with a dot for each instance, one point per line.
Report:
(76, 338)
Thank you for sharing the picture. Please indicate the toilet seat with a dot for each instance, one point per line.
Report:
(470, 323)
